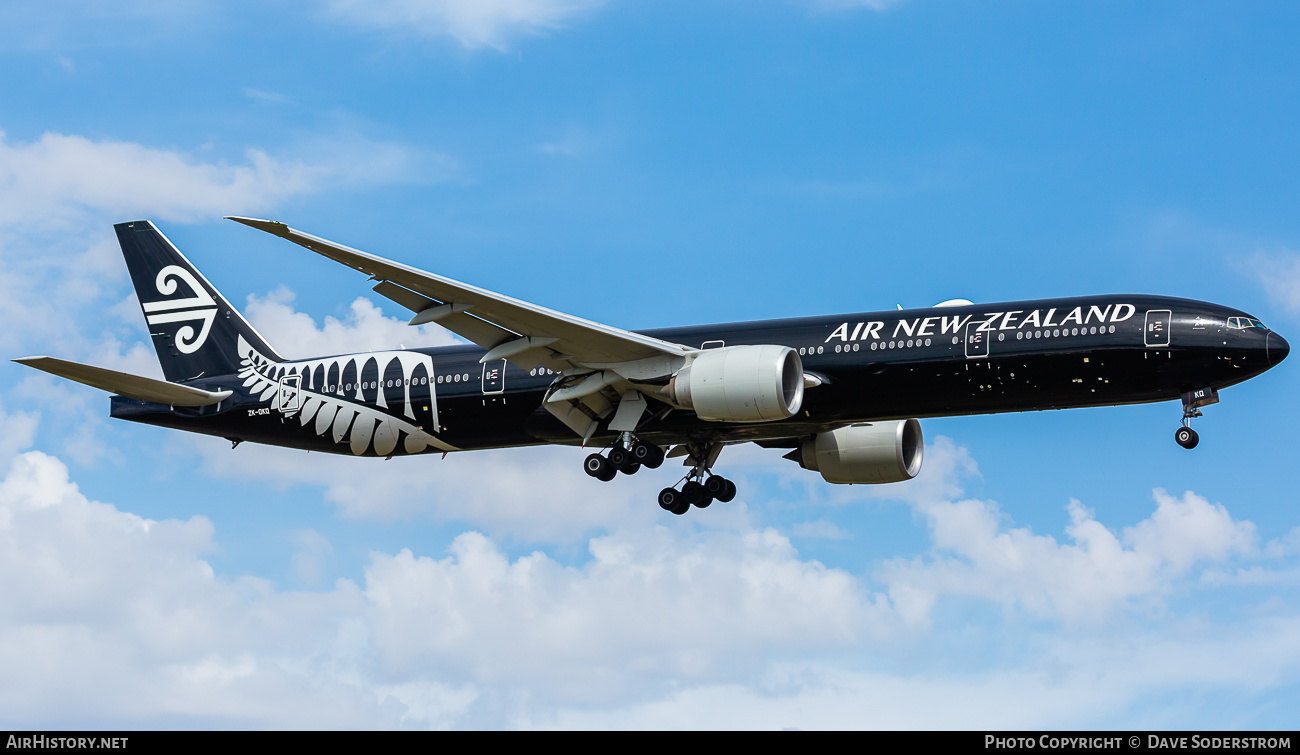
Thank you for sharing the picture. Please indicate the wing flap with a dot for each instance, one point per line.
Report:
(123, 384)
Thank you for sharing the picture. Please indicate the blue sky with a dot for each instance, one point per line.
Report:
(646, 165)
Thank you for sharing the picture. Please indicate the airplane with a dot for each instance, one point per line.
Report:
(842, 394)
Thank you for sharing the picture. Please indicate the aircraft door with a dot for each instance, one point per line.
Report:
(977, 341)
(1156, 332)
(494, 377)
(289, 398)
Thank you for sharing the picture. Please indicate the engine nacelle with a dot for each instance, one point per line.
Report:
(740, 384)
(865, 454)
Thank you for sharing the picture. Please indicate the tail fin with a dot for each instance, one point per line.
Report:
(195, 330)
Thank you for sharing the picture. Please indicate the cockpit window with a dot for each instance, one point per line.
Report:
(1241, 323)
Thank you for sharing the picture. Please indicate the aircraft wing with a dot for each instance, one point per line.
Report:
(508, 328)
(123, 384)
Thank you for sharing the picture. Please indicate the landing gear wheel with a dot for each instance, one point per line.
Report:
(669, 499)
(595, 465)
(1187, 437)
(698, 494)
(647, 454)
(720, 488)
(599, 467)
(622, 460)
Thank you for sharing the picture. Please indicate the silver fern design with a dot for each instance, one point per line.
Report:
(369, 401)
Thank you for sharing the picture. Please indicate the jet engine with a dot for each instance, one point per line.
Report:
(864, 454)
(740, 384)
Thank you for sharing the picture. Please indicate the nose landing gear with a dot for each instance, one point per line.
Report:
(1185, 436)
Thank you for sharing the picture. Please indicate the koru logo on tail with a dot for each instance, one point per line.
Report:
(198, 308)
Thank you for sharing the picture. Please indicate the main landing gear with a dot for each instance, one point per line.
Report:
(701, 487)
(627, 455)
(1185, 436)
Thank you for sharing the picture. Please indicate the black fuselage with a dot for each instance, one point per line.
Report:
(942, 361)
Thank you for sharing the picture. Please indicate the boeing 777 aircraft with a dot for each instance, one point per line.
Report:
(842, 393)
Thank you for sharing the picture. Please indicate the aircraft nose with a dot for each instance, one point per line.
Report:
(1277, 348)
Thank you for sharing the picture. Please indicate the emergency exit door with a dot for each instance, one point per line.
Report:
(1156, 332)
(494, 377)
(977, 341)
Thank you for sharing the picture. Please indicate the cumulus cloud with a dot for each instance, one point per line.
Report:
(106, 616)
(1065, 682)
(649, 606)
(474, 23)
(532, 494)
(977, 554)
(111, 619)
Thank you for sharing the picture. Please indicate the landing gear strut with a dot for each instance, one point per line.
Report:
(1185, 436)
(701, 487)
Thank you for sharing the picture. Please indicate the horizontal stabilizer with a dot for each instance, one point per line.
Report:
(131, 386)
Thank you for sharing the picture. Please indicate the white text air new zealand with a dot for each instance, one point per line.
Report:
(841, 393)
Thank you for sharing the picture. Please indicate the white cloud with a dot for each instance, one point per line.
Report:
(113, 620)
(310, 557)
(533, 494)
(61, 293)
(60, 194)
(977, 555)
(60, 177)
(1279, 274)
(1117, 681)
(648, 607)
(16, 433)
(474, 23)
(105, 616)
(296, 336)
(67, 181)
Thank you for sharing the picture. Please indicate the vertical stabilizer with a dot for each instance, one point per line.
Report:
(194, 329)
